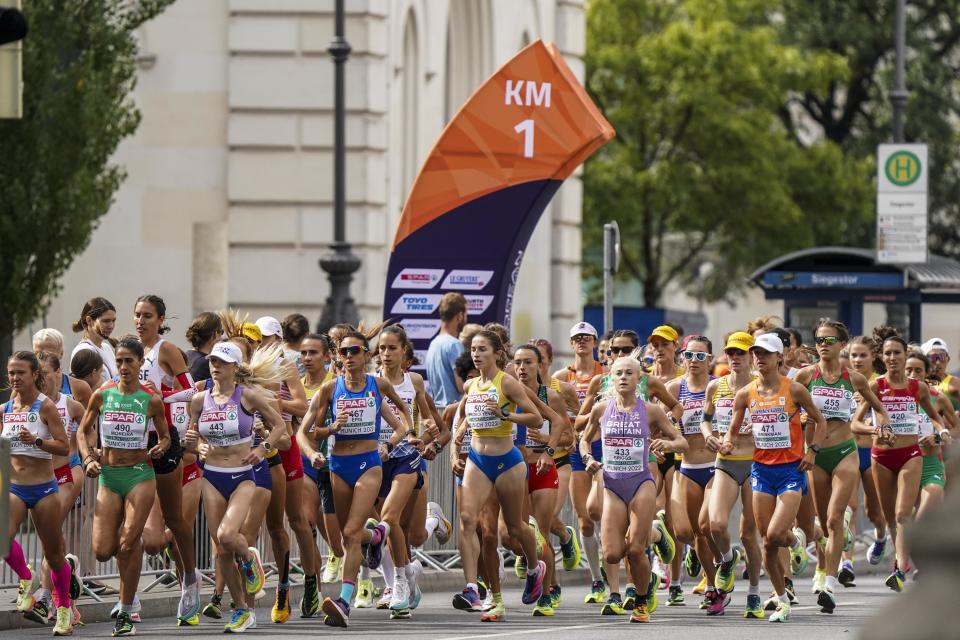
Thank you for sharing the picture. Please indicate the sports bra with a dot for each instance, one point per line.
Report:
(362, 407)
(227, 424)
(483, 422)
(33, 422)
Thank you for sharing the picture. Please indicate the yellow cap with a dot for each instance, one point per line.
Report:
(251, 331)
(739, 340)
(666, 332)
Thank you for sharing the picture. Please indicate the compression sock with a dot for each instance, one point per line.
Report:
(592, 547)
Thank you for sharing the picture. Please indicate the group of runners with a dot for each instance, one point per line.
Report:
(654, 439)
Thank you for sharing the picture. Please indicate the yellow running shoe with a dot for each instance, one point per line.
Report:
(640, 614)
(702, 587)
(192, 621)
(64, 626)
(331, 572)
(241, 620)
(25, 599)
(598, 593)
(252, 572)
(782, 614)
(754, 608)
(544, 606)
(280, 612)
(496, 613)
(364, 599)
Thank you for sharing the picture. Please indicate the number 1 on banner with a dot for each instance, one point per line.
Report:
(526, 128)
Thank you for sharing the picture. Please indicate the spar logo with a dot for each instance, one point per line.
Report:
(120, 416)
(420, 329)
(467, 280)
(346, 404)
(478, 304)
(417, 303)
(412, 278)
(214, 416)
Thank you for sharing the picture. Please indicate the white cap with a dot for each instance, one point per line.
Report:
(226, 351)
(933, 344)
(269, 326)
(768, 342)
(583, 328)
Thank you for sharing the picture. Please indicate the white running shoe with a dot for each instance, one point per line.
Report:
(400, 599)
(445, 528)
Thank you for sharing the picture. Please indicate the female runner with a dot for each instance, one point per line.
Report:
(494, 464)
(34, 431)
(164, 366)
(835, 470)
(87, 365)
(204, 332)
(865, 359)
(897, 459)
(51, 341)
(731, 483)
(626, 425)
(223, 418)
(122, 412)
(97, 320)
(778, 476)
(933, 477)
(355, 467)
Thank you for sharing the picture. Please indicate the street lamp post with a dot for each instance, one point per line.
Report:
(340, 263)
(899, 93)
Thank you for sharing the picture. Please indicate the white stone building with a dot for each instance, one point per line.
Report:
(228, 199)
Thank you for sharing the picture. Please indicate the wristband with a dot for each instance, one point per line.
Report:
(437, 446)
(707, 417)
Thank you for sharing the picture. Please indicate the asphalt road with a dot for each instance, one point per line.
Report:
(437, 620)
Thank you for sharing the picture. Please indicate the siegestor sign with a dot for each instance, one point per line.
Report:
(479, 194)
(902, 181)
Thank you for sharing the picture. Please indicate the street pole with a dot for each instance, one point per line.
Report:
(611, 262)
(340, 263)
(899, 94)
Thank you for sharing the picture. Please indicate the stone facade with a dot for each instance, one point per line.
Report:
(228, 200)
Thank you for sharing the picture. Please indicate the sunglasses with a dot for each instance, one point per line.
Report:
(582, 337)
(937, 357)
(734, 352)
(613, 350)
(827, 340)
(699, 356)
(351, 351)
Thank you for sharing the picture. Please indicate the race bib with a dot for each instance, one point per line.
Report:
(478, 414)
(624, 454)
(180, 417)
(723, 415)
(361, 415)
(692, 416)
(771, 430)
(834, 403)
(123, 429)
(903, 414)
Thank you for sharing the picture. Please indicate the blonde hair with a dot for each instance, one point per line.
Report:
(763, 322)
(267, 368)
(232, 322)
(48, 334)
(630, 360)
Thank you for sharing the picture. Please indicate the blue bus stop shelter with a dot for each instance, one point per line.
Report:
(840, 282)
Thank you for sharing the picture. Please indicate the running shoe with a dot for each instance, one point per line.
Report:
(64, 625)
(25, 599)
(827, 601)
(555, 596)
(613, 606)
(487, 602)
(544, 606)
(76, 587)
(414, 569)
(799, 558)
(781, 614)
(38, 613)
(846, 576)
(482, 586)
(192, 621)
(571, 550)
(537, 536)
(876, 551)
(416, 595)
(725, 573)
(240, 621)
(691, 563)
(310, 604)
(77, 621)
(630, 597)
(653, 601)
(717, 604)
(364, 599)
(895, 580)
(280, 612)
(252, 572)
(400, 614)
(400, 598)
(189, 605)
(819, 581)
(214, 608)
(791, 592)
(445, 527)
(598, 593)
(520, 567)
(331, 571)
(533, 588)
(467, 600)
(676, 596)
(701, 586)
(337, 612)
(134, 614)
(665, 548)
(123, 626)
(771, 603)
(375, 549)
(754, 608)
(496, 613)
(384, 601)
(707, 599)
(640, 614)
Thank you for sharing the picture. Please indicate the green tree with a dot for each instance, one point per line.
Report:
(703, 167)
(855, 112)
(56, 175)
